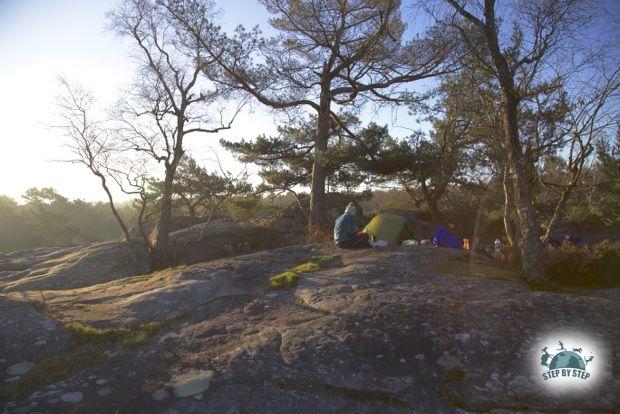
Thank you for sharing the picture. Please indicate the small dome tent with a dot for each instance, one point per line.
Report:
(443, 238)
(389, 227)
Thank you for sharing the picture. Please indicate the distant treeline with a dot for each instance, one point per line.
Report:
(48, 219)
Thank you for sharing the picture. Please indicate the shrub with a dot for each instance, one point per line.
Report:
(587, 266)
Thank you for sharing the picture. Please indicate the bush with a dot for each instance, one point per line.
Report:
(588, 266)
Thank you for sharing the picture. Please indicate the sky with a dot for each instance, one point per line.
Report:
(43, 39)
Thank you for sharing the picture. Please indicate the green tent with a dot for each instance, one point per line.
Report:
(389, 227)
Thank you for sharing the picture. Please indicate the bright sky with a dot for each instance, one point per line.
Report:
(42, 39)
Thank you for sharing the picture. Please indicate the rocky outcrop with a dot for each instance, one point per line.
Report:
(396, 330)
(91, 264)
(73, 267)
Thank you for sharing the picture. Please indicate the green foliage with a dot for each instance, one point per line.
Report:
(48, 219)
(583, 267)
(286, 159)
(196, 191)
(243, 208)
(288, 279)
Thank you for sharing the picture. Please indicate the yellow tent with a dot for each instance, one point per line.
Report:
(389, 227)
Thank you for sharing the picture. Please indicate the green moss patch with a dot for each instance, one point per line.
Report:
(55, 368)
(85, 349)
(288, 279)
(124, 337)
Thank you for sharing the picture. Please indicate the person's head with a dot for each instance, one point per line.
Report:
(350, 209)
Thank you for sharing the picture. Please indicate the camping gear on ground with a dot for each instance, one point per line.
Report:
(410, 242)
(389, 227)
(379, 243)
(466, 244)
(443, 238)
(358, 240)
(497, 244)
(425, 242)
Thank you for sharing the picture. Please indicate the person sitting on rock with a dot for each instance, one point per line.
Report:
(346, 234)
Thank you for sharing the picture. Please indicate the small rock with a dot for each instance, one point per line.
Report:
(13, 379)
(101, 381)
(449, 361)
(40, 343)
(35, 394)
(72, 397)
(191, 382)
(484, 343)
(50, 394)
(198, 397)
(160, 395)
(463, 337)
(419, 357)
(20, 369)
(104, 391)
(48, 325)
(380, 356)
(110, 354)
(402, 360)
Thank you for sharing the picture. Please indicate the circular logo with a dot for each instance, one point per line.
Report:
(567, 359)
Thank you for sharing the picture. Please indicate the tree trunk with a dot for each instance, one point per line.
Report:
(318, 220)
(531, 248)
(431, 203)
(509, 206)
(113, 208)
(433, 210)
(160, 246)
(130, 244)
(558, 208)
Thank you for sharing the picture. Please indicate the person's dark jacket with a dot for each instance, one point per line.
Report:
(344, 228)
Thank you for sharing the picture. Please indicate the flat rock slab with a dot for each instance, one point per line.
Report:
(160, 395)
(191, 382)
(72, 397)
(20, 369)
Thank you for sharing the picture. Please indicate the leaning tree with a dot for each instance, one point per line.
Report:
(169, 100)
(326, 54)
